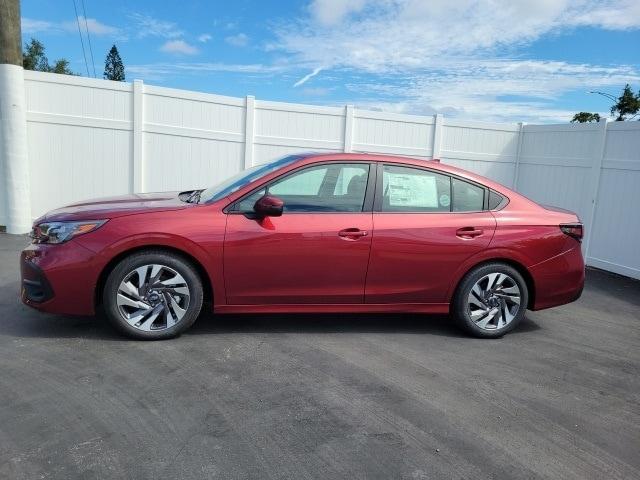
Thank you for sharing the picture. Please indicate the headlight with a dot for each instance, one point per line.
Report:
(60, 232)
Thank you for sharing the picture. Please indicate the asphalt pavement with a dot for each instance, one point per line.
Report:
(323, 396)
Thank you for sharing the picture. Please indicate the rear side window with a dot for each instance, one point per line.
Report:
(467, 197)
(495, 199)
(406, 189)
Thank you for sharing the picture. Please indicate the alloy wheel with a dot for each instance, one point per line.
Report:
(153, 297)
(494, 301)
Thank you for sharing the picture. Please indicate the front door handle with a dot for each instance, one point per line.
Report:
(352, 233)
(469, 232)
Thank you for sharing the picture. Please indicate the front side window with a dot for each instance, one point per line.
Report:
(334, 187)
(304, 184)
(406, 189)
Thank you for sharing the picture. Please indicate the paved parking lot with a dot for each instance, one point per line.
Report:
(327, 396)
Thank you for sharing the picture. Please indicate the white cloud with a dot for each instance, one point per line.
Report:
(455, 56)
(204, 38)
(159, 71)
(239, 40)
(148, 26)
(332, 12)
(476, 89)
(179, 47)
(316, 91)
(30, 25)
(611, 14)
(304, 79)
(393, 34)
(95, 27)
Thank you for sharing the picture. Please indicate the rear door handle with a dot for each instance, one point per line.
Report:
(469, 232)
(352, 233)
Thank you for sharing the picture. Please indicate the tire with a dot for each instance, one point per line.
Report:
(153, 283)
(490, 300)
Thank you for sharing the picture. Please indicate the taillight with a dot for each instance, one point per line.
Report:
(574, 230)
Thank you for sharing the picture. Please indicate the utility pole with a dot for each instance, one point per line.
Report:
(14, 164)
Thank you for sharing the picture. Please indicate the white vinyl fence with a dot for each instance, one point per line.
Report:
(90, 138)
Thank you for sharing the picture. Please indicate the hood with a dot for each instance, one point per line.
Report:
(112, 207)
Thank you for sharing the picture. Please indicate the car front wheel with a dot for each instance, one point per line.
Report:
(153, 295)
(490, 301)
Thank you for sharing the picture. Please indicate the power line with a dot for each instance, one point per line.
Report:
(608, 95)
(86, 26)
(81, 41)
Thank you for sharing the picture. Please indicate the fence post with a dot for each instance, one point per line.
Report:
(438, 123)
(594, 182)
(516, 167)
(348, 128)
(249, 130)
(138, 142)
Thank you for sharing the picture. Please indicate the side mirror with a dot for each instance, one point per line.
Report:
(268, 206)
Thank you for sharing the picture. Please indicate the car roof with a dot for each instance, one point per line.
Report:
(433, 164)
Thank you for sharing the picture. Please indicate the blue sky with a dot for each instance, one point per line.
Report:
(499, 60)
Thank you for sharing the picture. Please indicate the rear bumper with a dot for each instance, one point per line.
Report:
(59, 278)
(559, 280)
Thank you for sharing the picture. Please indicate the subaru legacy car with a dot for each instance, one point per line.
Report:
(309, 233)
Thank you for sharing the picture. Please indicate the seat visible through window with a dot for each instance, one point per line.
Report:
(334, 187)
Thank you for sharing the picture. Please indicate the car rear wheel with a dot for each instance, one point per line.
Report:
(490, 301)
(153, 295)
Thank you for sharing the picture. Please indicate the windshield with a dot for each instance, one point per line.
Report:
(243, 178)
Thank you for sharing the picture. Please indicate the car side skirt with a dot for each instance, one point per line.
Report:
(442, 308)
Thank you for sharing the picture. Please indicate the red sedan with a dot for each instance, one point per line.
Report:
(309, 233)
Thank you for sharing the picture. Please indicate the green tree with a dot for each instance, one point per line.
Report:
(61, 66)
(113, 66)
(585, 117)
(34, 58)
(627, 106)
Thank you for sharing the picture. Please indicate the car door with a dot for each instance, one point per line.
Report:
(317, 252)
(425, 224)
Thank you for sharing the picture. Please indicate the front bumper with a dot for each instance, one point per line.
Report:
(35, 286)
(59, 278)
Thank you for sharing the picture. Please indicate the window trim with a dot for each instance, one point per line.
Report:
(377, 204)
(367, 205)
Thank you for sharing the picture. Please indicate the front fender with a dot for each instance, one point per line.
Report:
(200, 238)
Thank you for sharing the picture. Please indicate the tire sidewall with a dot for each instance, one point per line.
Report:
(460, 311)
(128, 264)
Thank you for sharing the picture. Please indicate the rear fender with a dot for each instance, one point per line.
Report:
(494, 254)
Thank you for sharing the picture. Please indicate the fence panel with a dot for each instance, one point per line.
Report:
(191, 140)
(555, 165)
(616, 226)
(90, 138)
(377, 132)
(283, 128)
(484, 148)
(79, 139)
